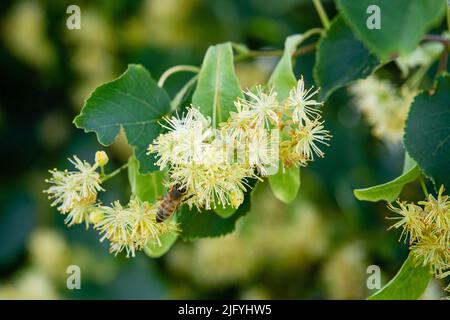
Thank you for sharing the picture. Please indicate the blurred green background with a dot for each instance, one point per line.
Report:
(319, 247)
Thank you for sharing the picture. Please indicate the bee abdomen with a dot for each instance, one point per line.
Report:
(165, 210)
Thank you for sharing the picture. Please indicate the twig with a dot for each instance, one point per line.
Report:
(437, 38)
(274, 53)
(114, 173)
(322, 14)
(176, 69)
(443, 61)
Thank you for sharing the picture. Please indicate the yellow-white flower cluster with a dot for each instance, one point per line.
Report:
(427, 225)
(214, 164)
(384, 107)
(75, 192)
(127, 228)
(130, 228)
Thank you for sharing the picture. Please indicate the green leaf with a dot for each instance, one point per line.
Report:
(390, 191)
(336, 67)
(154, 250)
(217, 85)
(226, 212)
(427, 132)
(147, 187)
(133, 102)
(408, 284)
(285, 185)
(403, 23)
(283, 77)
(207, 224)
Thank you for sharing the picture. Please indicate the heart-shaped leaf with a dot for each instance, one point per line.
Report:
(341, 59)
(133, 102)
(427, 132)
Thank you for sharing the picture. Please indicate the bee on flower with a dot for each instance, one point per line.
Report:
(130, 227)
(214, 166)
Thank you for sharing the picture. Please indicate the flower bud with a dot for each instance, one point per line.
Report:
(101, 158)
(96, 216)
(236, 198)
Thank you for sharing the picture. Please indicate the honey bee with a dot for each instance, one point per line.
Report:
(170, 203)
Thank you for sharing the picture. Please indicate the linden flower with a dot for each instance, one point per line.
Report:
(263, 150)
(262, 107)
(411, 219)
(212, 185)
(185, 140)
(438, 210)
(81, 212)
(430, 252)
(302, 103)
(239, 124)
(307, 138)
(429, 230)
(73, 190)
(384, 107)
(130, 228)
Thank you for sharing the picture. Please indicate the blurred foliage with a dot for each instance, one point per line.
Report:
(318, 247)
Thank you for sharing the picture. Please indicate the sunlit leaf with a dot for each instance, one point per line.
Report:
(217, 85)
(408, 284)
(390, 191)
(147, 187)
(283, 77)
(285, 185)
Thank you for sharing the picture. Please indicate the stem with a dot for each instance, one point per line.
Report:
(446, 42)
(322, 14)
(437, 38)
(274, 53)
(415, 80)
(243, 53)
(176, 69)
(424, 187)
(443, 62)
(114, 173)
(448, 15)
(305, 49)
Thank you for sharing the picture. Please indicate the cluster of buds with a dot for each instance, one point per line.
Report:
(427, 226)
(74, 193)
(214, 163)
